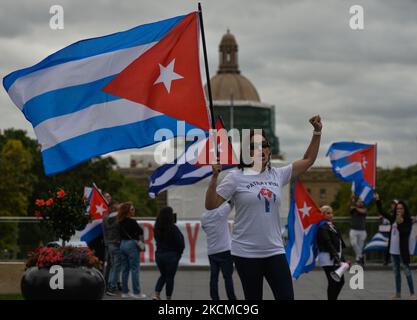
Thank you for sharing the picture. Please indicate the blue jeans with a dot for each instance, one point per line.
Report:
(167, 263)
(130, 264)
(221, 261)
(115, 265)
(396, 264)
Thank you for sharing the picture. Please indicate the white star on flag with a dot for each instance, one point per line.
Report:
(364, 162)
(305, 210)
(100, 209)
(167, 75)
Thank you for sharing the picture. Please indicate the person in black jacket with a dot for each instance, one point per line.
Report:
(399, 244)
(130, 233)
(169, 248)
(330, 245)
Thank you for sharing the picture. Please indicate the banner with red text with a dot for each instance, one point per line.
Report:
(195, 252)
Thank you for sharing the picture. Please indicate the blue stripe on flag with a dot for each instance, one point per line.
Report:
(90, 235)
(69, 153)
(66, 100)
(347, 146)
(139, 35)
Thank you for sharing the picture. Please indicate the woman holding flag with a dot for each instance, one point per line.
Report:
(257, 246)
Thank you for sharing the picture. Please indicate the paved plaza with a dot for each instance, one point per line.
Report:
(194, 285)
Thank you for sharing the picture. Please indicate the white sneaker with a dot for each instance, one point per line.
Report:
(125, 295)
(138, 296)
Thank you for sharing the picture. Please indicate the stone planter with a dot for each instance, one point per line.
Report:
(79, 283)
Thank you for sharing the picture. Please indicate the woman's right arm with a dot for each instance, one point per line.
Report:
(213, 200)
(380, 210)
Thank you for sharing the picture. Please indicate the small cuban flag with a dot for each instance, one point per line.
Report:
(97, 207)
(304, 219)
(355, 162)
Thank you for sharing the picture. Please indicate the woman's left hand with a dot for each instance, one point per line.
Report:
(316, 123)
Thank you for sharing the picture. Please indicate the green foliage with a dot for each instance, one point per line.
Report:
(15, 184)
(15, 177)
(22, 181)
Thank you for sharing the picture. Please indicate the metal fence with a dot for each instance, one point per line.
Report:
(21, 235)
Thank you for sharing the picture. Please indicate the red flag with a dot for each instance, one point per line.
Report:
(98, 204)
(167, 78)
(305, 206)
(207, 155)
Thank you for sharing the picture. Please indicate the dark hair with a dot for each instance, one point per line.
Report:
(247, 146)
(124, 211)
(406, 216)
(164, 224)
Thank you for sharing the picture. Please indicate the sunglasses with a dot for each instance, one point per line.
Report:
(265, 144)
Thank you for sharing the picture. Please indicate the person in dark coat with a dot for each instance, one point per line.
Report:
(399, 244)
(330, 246)
(169, 248)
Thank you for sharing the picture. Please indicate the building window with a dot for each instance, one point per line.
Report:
(322, 194)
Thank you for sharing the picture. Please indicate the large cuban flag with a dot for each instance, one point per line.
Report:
(355, 162)
(193, 165)
(304, 219)
(113, 92)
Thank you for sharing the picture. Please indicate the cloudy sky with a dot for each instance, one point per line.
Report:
(300, 54)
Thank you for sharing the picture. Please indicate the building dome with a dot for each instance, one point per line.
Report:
(226, 86)
(228, 83)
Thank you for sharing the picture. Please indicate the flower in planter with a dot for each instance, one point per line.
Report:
(67, 256)
(40, 202)
(62, 212)
(60, 194)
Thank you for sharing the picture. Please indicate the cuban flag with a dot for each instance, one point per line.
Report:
(304, 219)
(113, 92)
(355, 162)
(193, 165)
(378, 242)
(96, 208)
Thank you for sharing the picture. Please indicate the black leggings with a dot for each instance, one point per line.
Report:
(275, 270)
(334, 287)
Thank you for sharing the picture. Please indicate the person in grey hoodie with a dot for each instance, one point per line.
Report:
(111, 234)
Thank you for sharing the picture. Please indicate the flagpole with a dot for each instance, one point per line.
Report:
(99, 192)
(203, 38)
(376, 144)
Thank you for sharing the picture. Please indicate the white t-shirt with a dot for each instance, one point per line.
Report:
(215, 225)
(257, 198)
(394, 247)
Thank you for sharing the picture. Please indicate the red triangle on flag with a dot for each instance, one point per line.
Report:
(208, 156)
(305, 206)
(98, 205)
(166, 78)
(366, 157)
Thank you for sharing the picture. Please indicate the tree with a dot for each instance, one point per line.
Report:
(15, 187)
